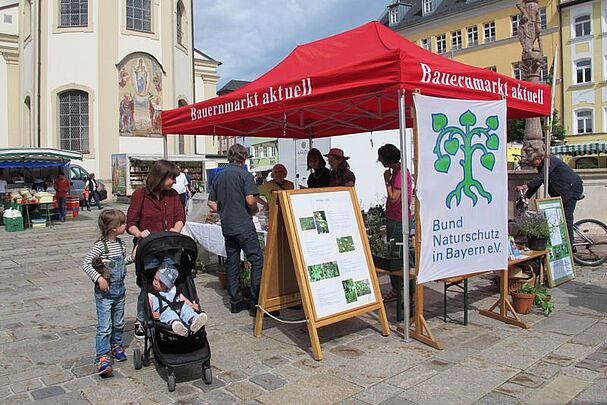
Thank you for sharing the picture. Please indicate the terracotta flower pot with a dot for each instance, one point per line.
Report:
(522, 302)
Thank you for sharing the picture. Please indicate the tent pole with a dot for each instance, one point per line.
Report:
(405, 210)
(165, 147)
(547, 156)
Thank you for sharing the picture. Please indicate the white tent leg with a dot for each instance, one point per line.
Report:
(405, 211)
(165, 146)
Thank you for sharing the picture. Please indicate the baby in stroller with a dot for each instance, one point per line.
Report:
(172, 308)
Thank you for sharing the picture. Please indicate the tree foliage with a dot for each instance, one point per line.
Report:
(516, 129)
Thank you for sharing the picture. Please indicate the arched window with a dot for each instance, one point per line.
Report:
(583, 71)
(583, 120)
(74, 121)
(582, 26)
(181, 23)
(139, 15)
(73, 13)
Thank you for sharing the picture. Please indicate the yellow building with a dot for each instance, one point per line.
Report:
(584, 91)
(480, 33)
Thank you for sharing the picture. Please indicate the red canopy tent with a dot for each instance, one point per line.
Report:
(346, 84)
(356, 81)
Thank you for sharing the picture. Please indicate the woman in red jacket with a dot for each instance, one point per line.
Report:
(154, 208)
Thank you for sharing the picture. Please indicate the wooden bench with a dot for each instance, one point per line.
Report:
(448, 283)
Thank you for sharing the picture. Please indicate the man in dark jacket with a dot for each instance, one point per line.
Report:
(562, 181)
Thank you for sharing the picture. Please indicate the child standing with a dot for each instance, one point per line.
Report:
(106, 264)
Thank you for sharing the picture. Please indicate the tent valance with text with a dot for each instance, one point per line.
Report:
(348, 83)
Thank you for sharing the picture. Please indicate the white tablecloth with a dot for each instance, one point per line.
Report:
(210, 238)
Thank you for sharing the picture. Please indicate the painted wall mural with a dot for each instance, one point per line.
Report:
(140, 92)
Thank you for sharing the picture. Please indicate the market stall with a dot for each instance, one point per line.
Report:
(362, 80)
(129, 171)
(27, 175)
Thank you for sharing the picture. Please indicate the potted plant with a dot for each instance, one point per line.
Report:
(522, 299)
(542, 300)
(386, 256)
(535, 226)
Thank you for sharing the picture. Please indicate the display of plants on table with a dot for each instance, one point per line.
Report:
(535, 226)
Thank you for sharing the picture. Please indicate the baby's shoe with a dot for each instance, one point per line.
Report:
(179, 328)
(199, 321)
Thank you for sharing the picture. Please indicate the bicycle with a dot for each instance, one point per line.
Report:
(589, 236)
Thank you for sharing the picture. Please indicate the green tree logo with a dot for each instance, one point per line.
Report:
(453, 139)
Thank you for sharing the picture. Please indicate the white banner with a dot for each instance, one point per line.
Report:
(462, 186)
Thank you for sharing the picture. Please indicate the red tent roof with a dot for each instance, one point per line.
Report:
(347, 84)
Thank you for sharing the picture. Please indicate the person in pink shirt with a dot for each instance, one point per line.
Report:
(389, 156)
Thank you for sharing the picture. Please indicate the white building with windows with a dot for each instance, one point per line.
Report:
(93, 77)
(9, 71)
(584, 44)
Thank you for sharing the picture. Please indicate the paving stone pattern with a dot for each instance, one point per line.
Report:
(47, 333)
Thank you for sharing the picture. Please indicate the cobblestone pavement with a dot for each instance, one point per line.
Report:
(47, 328)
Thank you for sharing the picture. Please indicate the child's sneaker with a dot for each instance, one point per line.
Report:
(199, 321)
(104, 367)
(179, 328)
(119, 353)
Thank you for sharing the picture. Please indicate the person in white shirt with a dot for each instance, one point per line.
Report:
(2, 186)
(181, 186)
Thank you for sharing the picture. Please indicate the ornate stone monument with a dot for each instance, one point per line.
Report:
(529, 30)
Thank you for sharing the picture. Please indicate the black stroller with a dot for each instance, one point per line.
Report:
(170, 350)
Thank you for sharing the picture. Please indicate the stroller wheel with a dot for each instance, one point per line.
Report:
(207, 374)
(137, 359)
(171, 380)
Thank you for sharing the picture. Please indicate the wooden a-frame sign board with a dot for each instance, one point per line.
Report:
(317, 255)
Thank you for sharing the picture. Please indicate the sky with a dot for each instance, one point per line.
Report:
(251, 36)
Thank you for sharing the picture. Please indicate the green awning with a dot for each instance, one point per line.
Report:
(578, 149)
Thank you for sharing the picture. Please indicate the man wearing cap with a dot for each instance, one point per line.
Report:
(341, 175)
(233, 195)
(278, 182)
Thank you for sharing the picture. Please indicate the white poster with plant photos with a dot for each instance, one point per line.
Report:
(336, 266)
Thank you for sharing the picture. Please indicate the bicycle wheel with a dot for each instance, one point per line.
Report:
(590, 240)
